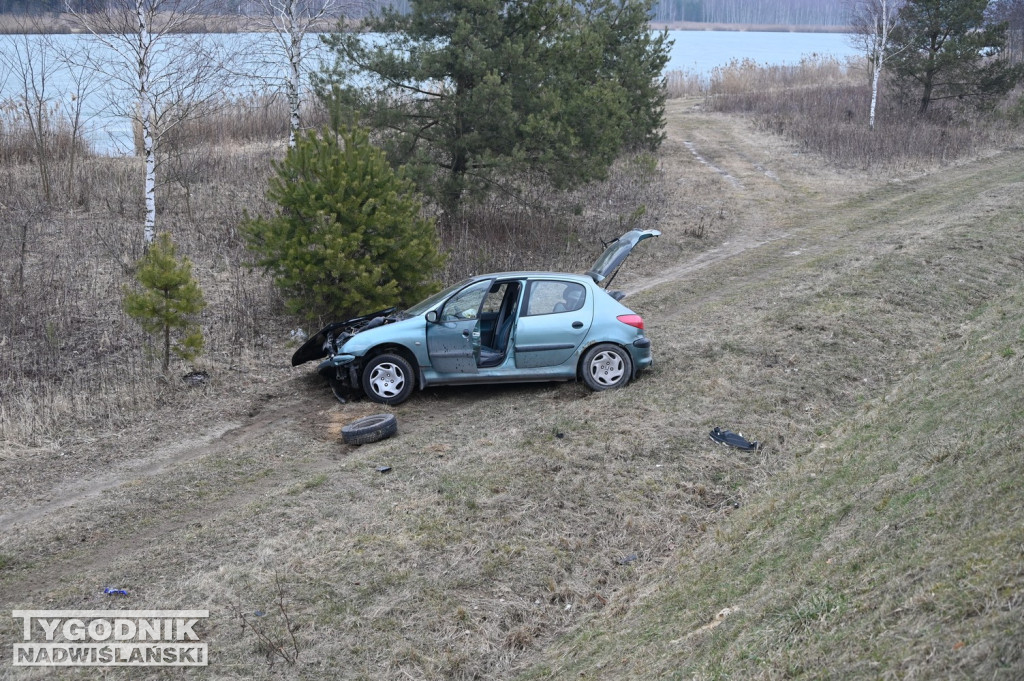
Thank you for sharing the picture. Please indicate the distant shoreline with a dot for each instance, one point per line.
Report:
(13, 24)
(765, 28)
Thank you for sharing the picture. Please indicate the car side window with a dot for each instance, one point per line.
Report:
(466, 303)
(550, 297)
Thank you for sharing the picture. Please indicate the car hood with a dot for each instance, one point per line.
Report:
(321, 344)
(616, 252)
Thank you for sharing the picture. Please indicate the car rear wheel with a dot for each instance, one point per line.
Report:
(606, 366)
(388, 379)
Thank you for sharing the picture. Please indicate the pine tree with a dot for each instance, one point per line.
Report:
(475, 95)
(168, 300)
(949, 50)
(348, 237)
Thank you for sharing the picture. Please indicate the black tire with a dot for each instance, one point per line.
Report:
(388, 379)
(606, 366)
(370, 429)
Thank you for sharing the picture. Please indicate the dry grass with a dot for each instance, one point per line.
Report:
(259, 118)
(20, 140)
(69, 355)
(747, 77)
(551, 231)
(891, 544)
(824, 106)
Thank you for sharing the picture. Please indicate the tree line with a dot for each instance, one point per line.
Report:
(783, 12)
(770, 12)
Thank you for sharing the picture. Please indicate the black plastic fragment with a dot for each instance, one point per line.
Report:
(727, 437)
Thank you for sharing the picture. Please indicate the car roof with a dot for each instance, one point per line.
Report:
(581, 278)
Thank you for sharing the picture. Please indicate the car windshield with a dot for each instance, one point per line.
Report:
(431, 302)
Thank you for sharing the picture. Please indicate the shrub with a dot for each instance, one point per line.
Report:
(348, 236)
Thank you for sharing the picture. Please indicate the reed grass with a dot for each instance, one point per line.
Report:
(746, 76)
(22, 139)
(256, 118)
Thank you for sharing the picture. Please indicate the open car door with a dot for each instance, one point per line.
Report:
(453, 340)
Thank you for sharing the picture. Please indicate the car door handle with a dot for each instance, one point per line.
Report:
(577, 325)
(465, 334)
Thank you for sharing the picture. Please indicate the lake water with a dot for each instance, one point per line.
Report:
(697, 52)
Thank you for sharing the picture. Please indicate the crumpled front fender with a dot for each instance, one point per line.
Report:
(335, 361)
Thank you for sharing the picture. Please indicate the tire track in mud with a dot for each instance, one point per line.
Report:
(217, 438)
(693, 150)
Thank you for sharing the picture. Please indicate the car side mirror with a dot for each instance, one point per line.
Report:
(432, 317)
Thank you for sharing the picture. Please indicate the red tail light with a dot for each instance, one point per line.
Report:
(632, 320)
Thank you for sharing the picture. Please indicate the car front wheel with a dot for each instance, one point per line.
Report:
(388, 379)
(606, 366)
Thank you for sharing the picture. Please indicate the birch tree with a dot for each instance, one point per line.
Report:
(160, 74)
(290, 21)
(873, 22)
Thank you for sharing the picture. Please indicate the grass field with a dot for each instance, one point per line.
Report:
(866, 328)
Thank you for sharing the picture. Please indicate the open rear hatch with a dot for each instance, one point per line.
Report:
(615, 254)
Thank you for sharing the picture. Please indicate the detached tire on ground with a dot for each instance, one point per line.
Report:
(370, 429)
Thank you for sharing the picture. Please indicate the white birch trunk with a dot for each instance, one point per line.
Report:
(146, 116)
(294, 82)
(874, 90)
(295, 64)
(874, 21)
